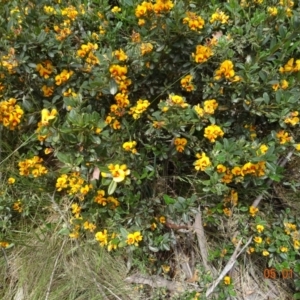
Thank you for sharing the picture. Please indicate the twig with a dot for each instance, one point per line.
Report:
(270, 181)
(228, 266)
(201, 240)
(54, 268)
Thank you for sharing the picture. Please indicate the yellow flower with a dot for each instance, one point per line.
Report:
(284, 249)
(194, 22)
(130, 239)
(265, 253)
(180, 144)
(221, 168)
(284, 84)
(47, 90)
(258, 240)
(129, 146)
(283, 137)
(17, 206)
(134, 238)
(120, 55)
(225, 70)
(162, 219)
(146, 48)
(76, 209)
(165, 268)
(212, 132)
(210, 106)
(202, 162)
(260, 228)
(116, 9)
(199, 110)
(297, 146)
(47, 115)
(219, 16)
(141, 22)
(101, 237)
(272, 11)
(202, 54)
(153, 226)
(227, 280)
(4, 244)
(186, 83)
(117, 172)
(236, 171)
(11, 180)
(253, 211)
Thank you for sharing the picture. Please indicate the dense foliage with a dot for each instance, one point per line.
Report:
(129, 117)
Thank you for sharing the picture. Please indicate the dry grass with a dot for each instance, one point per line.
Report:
(55, 268)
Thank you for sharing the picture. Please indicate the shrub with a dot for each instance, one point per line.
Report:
(136, 114)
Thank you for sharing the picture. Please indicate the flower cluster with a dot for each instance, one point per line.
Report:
(283, 137)
(212, 132)
(253, 211)
(194, 22)
(18, 206)
(63, 31)
(9, 62)
(102, 237)
(116, 9)
(117, 172)
(283, 85)
(4, 244)
(219, 16)
(70, 12)
(180, 144)
(226, 71)
(63, 77)
(230, 200)
(146, 48)
(134, 238)
(186, 83)
(140, 107)
(10, 113)
(272, 10)
(130, 147)
(177, 101)
(202, 162)
(120, 55)
(47, 90)
(87, 51)
(292, 119)
(47, 115)
(202, 54)
(32, 166)
(102, 200)
(45, 69)
(209, 108)
(290, 66)
(74, 183)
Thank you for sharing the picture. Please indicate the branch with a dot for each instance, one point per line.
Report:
(198, 226)
(228, 266)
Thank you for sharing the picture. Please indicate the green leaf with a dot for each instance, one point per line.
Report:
(64, 231)
(64, 157)
(124, 232)
(168, 200)
(112, 187)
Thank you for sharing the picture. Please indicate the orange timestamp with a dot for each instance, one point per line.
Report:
(273, 273)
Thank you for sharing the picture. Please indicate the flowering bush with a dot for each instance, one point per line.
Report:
(116, 100)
